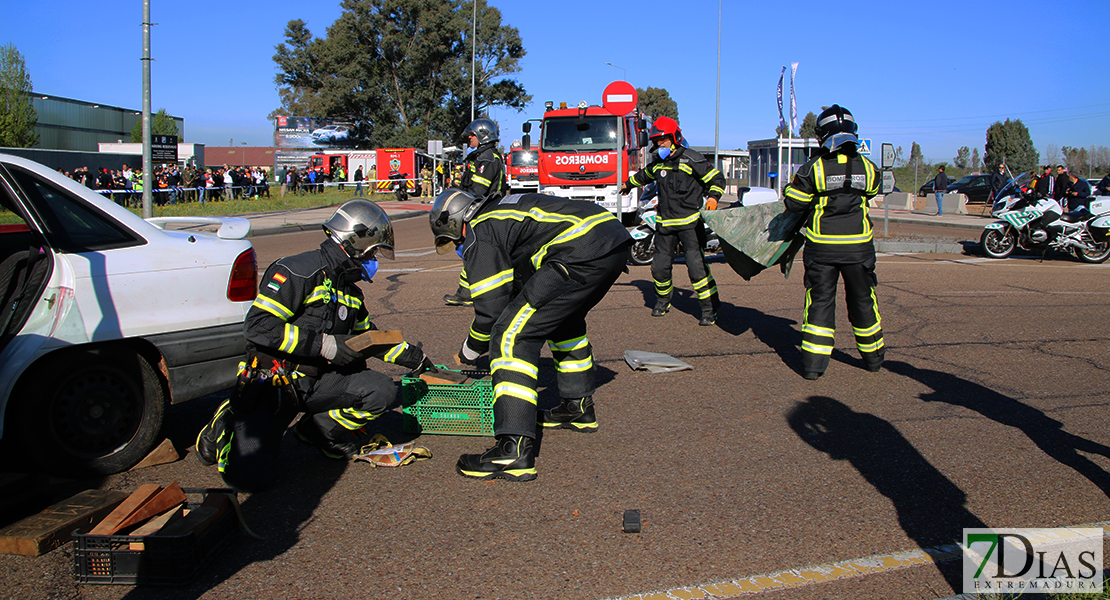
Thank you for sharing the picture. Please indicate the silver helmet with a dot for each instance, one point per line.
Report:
(450, 211)
(483, 129)
(363, 230)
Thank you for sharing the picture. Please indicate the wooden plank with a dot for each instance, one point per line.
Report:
(196, 521)
(155, 525)
(164, 500)
(134, 502)
(375, 340)
(165, 453)
(445, 377)
(42, 532)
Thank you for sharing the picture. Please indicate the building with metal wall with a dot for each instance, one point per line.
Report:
(68, 124)
(774, 161)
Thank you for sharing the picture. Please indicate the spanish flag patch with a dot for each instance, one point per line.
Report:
(276, 281)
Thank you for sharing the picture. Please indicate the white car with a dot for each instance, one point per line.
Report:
(106, 318)
(329, 134)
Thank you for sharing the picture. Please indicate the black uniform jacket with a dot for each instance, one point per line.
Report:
(682, 179)
(509, 240)
(302, 297)
(834, 188)
(484, 173)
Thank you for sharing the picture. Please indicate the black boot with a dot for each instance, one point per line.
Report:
(307, 432)
(213, 436)
(510, 459)
(457, 300)
(576, 415)
(661, 308)
(708, 312)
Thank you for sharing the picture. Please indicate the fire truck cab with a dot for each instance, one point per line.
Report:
(522, 167)
(578, 155)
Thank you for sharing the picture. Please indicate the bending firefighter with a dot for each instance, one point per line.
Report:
(307, 307)
(833, 189)
(537, 265)
(682, 177)
(484, 176)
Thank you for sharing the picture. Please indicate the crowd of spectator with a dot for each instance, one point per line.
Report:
(171, 184)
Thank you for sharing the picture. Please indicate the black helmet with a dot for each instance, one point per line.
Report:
(362, 228)
(836, 127)
(484, 129)
(450, 211)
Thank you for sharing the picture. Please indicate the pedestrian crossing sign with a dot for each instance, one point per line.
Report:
(865, 147)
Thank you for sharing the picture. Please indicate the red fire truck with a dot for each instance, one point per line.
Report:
(578, 150)
(522, 167)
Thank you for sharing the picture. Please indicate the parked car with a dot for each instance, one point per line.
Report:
(927, 188)
(329, 134)
(108, 317)
(977, 188)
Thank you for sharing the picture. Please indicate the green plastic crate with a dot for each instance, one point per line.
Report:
(448, 409)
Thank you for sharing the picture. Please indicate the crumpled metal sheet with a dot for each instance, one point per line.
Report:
(756, 237)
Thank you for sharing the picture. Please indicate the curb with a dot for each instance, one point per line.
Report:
(295, 227)
(894, 247)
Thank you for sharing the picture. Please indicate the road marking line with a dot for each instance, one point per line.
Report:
(805, 576)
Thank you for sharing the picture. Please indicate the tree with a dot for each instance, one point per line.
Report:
(1009, 142)
(400, 70)
(916, 160)
(809, 126)
(17, 112)
(1052, 154)
(975, 160)
(656, 102)
(963, 157)
(1077, 160)
(161, 123)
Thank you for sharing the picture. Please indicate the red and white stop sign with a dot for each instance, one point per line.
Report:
(619, 98)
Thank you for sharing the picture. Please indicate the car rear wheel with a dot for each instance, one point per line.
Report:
(998, 243)
(96, 411)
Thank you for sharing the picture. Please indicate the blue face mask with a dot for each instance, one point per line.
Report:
(664, 153)
(458, 250)
(369, 269)
(467, 151)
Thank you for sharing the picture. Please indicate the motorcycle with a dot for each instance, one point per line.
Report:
(398, 186)
(643, 235)
(1033, 222)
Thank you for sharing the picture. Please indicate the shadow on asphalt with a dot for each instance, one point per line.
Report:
(1044, 431)
(277, 515)
(930, 507)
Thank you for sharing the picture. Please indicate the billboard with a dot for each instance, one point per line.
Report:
(312, 132)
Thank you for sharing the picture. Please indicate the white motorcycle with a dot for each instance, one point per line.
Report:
(1033, 222)
(643, 235)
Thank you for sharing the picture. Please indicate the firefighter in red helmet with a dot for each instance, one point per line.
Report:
(682, 177)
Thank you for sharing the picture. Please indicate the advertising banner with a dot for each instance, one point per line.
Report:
(311, 132)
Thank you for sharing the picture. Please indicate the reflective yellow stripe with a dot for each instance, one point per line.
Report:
(480, 179)
(816, 330)
(685, 168)
(869, 331)
(395, 351)
(569, 345)
(870, 347)
(718, 189)
(815, 348)
(481, 337)
(679, 221)
(491, 283)
(363, 325)
(710, 175)
(506, 388)
(856, 238)
(273, 307)
(819, 174)
(290, 338)
(574, 366)
(799, 195)
(513, 364)
(581, 228)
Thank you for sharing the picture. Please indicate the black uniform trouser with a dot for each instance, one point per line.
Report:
(344, 401)
(819, 316)
(700, 277)
(552, 306)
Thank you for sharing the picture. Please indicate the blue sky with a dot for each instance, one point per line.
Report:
(938, 73)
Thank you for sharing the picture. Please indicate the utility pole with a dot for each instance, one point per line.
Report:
(717, 125)
(473, 53)
(148, 163)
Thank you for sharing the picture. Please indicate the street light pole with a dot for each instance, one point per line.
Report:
(717, 125)
(148, 163)
(625, 75)
(473, 53)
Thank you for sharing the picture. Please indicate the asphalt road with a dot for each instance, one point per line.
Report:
(991, 410)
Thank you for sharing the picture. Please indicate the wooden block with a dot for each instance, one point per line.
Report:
(156, 524)
(134, 502)
(165, 453)
(195, 522)
(375, 339)
(445, 377)
(164, 500)
(42, 532)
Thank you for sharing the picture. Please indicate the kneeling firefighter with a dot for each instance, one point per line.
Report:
(537, 265)
(307, 307)
(832, 189)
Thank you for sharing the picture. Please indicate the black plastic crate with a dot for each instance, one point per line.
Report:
(161, 560)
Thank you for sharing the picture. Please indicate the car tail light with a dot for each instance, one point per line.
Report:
(243, 285)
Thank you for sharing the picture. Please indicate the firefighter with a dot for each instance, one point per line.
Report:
(833, 188)
(483, 175)
(537, 265)
(308, 305)
(682, 177)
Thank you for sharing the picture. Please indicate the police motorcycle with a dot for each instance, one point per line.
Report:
(398, 185)
(1033, 222)
(643, 234)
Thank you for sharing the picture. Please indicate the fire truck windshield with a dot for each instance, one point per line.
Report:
(523, 158)
(561, 134)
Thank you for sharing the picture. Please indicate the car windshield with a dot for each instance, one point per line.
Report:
(963, 180)
(523, 158)
(563, 134)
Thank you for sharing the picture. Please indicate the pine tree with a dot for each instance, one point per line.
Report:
(1009, 142)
